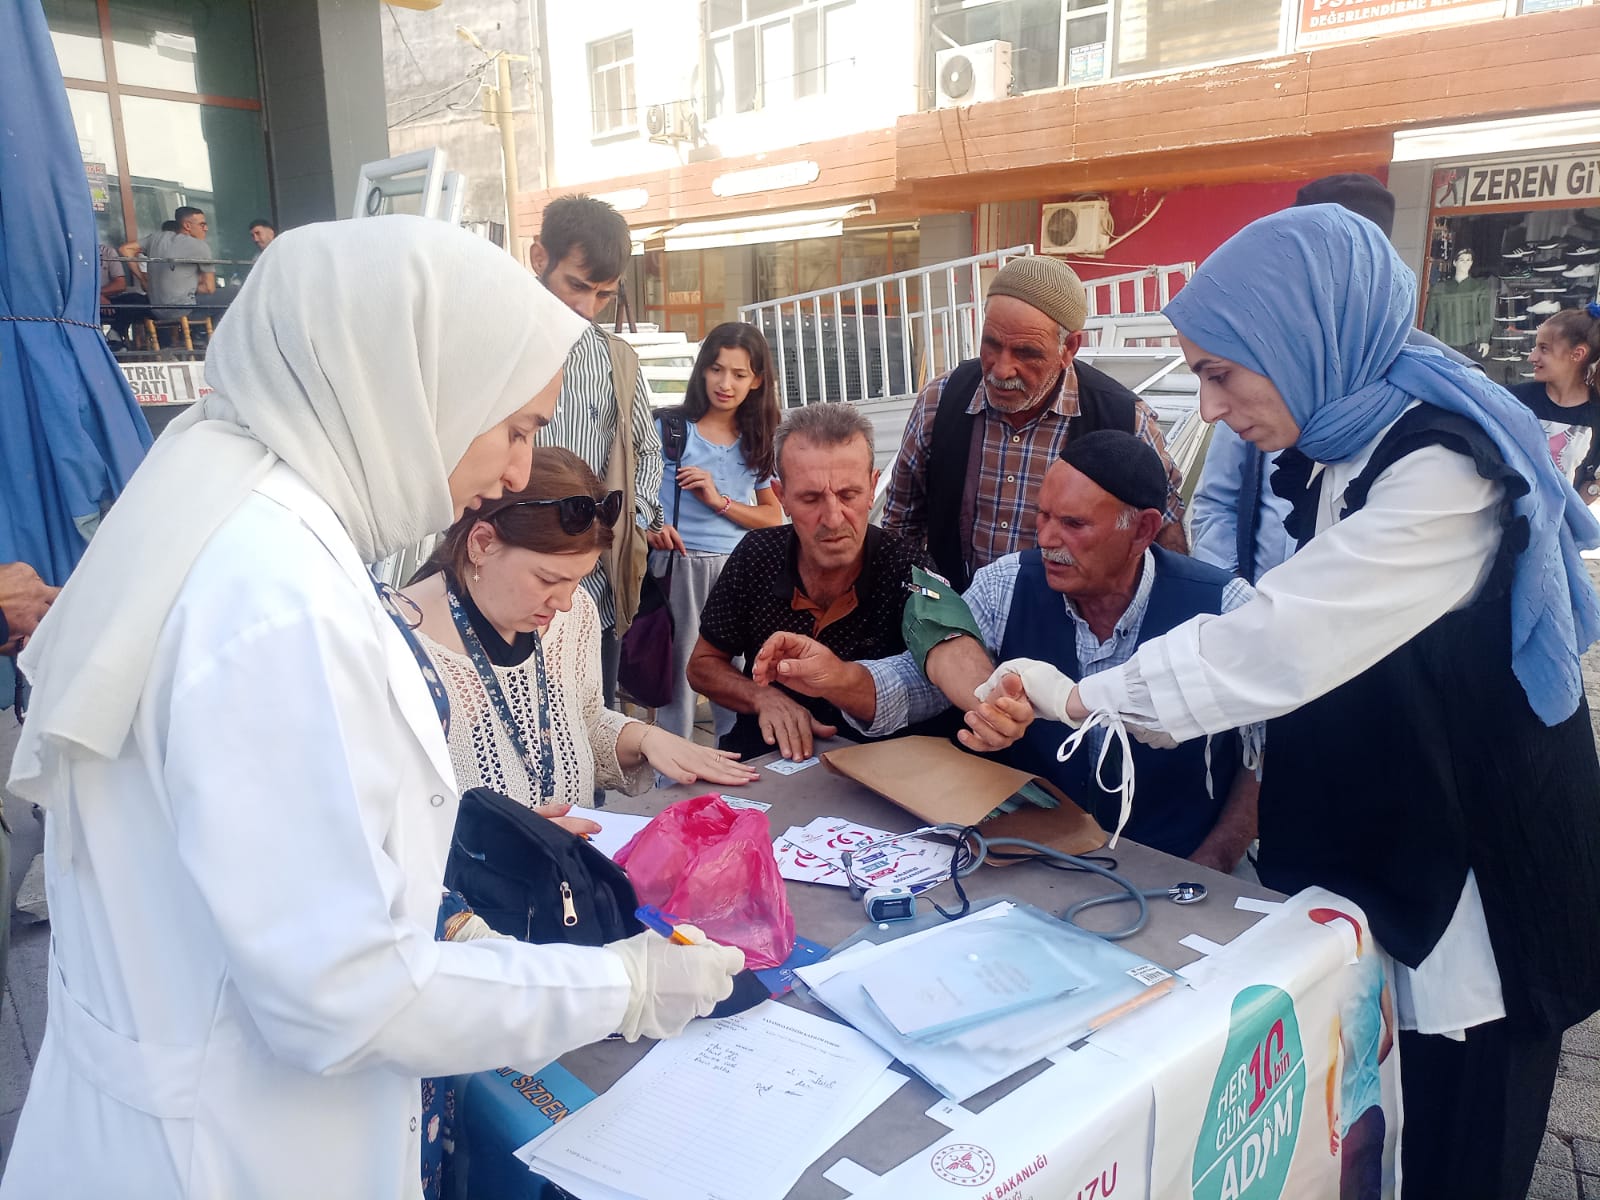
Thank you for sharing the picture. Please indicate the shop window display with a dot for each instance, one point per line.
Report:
(1493, 278)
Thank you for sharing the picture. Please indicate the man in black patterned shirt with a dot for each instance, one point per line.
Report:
(830, 576)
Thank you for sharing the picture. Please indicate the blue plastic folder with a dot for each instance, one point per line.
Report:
(969, 977)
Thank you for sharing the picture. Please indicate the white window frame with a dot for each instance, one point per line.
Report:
(625, 122)
(759, 26)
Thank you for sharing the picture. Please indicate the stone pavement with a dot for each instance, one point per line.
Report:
(1569, 1162)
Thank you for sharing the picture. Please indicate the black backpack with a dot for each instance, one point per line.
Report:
(529, 878)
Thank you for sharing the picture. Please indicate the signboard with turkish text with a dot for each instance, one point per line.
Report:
(1272, 1076)
(99, 192)
(1323, 21)
(1571, 179)
(166, 383)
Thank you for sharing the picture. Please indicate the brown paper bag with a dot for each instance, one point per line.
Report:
(938, 781)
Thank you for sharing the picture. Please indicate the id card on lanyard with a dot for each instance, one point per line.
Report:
(541, 772)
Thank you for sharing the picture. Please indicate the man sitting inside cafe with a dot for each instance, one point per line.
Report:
(829, 575)
(1084, 599)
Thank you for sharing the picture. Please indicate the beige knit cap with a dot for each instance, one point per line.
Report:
(1047, 284)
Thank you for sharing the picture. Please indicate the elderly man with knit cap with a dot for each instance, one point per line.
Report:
(979, 439)
(1085, 598)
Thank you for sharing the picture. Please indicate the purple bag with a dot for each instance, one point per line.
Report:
(644, 666)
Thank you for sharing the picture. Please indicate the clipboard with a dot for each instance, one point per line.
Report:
(936, 780)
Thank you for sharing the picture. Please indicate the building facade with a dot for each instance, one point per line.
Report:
(762, 148)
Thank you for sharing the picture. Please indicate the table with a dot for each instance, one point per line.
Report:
(1089, 1117)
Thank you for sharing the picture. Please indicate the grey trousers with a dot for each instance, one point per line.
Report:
(692, 578)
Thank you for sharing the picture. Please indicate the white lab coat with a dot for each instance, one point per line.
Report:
(244, 984)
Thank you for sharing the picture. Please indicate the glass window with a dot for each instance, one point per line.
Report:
(1032, 27)
(203, 155)
(841, 45)
(777, 64)
(75, 30)
(185, 46)
(91, 117)
(1168, 35)
(611, 85)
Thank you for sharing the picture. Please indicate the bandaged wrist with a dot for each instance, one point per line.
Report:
(934, 613)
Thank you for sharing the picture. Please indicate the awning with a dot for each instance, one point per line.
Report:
(785, 225)
(1480, 139)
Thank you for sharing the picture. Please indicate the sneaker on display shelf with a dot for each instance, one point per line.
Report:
(1544, 307)
(1583, 250)
(1555, 245)
(1548, 268)
(1582, 271)
(1524, 251)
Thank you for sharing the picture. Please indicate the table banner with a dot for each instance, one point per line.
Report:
(1275, 1076)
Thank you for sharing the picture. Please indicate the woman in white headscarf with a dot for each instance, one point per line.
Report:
(248, 791)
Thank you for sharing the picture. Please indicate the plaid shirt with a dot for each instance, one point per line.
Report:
(1012, 465)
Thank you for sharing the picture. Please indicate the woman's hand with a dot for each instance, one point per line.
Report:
(666, 538)
(698, 481)
(688, 762)
(581, 826)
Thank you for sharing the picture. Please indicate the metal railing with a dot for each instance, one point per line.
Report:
(887, 336)
(879, 337)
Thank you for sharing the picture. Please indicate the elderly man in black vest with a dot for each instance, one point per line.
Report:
(1094, 589)
(979, 439)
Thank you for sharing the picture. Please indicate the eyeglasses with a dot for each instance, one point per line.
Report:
(577, 513)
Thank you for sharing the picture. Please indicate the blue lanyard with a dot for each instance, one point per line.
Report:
(542, 773)
(441, 699)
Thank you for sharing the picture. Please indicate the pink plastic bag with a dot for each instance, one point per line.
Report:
(713, 866)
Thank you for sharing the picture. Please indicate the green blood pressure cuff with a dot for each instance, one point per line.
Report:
(935, 612)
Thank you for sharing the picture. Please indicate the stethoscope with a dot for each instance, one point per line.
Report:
(972, 850)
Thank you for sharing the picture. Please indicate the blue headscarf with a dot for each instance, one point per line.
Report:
(1317, 300)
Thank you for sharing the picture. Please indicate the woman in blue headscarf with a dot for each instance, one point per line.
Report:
(1417, 660)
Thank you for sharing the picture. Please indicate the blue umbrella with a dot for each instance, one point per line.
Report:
(70, 431)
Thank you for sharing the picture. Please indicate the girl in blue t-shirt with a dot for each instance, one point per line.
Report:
(717, 488)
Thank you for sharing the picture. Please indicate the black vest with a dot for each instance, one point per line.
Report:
(1103, 403)
(1171, 808)
(1391, 786)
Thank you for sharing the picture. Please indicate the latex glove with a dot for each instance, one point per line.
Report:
(673, 984)
(1047, 688)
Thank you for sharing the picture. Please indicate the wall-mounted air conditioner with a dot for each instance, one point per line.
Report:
(973, 74)
(673, 121)
(1081, 227)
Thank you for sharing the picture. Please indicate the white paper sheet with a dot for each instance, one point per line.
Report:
(734, 1109)
(616, 828)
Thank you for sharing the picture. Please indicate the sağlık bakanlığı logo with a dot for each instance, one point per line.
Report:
(964, 1164)
(1253, 1116)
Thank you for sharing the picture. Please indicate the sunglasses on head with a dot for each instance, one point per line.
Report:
(577, 513)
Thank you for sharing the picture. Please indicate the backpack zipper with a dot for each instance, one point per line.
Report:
(569, 914)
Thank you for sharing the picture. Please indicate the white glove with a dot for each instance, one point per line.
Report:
(673, 984)
(1047, 688)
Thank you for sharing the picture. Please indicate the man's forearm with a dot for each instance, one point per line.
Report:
(718, 680)
(1235, 829)
(1172, 538)
(956, 667)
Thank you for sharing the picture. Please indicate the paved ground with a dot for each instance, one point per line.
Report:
(1569, 1163)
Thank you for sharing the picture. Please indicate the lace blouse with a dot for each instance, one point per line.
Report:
(584, 732)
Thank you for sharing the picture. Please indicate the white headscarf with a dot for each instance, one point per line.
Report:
(366, 355)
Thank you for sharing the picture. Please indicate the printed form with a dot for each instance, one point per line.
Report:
(734, 1109)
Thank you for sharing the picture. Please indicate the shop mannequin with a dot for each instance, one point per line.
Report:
(1460, 310)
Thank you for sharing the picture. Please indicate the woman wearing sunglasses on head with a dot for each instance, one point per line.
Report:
(516, 642)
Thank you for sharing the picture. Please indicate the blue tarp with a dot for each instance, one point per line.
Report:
(70, 431)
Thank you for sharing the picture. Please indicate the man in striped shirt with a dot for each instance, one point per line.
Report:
(581, 251)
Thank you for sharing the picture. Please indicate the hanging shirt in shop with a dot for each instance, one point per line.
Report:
(1460, 314)
(1570, 430)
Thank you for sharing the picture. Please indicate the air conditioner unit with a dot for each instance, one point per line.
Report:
(1081, 227)
(673, 121)
(973, 74)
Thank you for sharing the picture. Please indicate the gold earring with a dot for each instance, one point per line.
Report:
(476, 578)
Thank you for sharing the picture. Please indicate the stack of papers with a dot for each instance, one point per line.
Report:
(969, 1004)
(733, 1108)
(814, 853)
